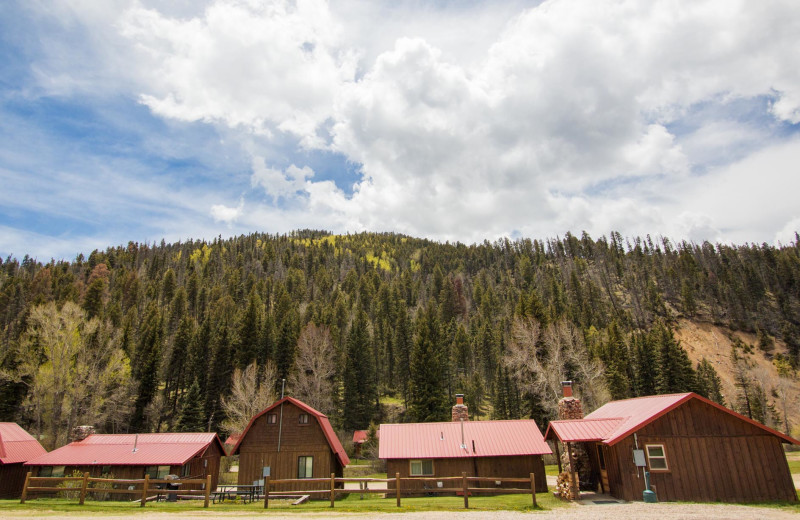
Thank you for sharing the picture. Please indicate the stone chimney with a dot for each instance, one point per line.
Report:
(568, 406)
(460, 410)
(81, 432)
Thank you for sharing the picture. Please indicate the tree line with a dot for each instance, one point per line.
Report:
(374, 327)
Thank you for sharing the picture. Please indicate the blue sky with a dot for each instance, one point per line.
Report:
(140, 120)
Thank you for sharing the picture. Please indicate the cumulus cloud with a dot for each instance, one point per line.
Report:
(227, 214)
(564, 115)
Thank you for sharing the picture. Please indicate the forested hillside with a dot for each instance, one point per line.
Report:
(371, 327)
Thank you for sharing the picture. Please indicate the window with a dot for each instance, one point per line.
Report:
(157, 472)
(421, 467)
(58, 471)
(657, 457)
(272, 418)
(305, 467)
(46, 471)
(186, 469)
(303, 418)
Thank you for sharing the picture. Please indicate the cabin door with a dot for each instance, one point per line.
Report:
(601, 459)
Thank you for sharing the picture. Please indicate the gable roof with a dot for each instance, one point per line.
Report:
(444, 440)
(360, 436)
(322, 420)
(616, 420)
(152, 449)
(17, 445)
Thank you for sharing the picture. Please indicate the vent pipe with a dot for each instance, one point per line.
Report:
(135, 442)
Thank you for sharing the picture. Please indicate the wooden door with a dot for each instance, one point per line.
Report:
(601, 459)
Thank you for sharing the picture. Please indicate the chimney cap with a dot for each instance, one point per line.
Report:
(566, 383)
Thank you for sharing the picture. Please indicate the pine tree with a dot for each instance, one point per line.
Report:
(248, 333)
(192, 417)
(709, 384)
(146, 363)
(428, 389)
(675, 373)
(360, 392)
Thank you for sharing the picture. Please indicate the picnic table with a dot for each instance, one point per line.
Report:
(247, 492)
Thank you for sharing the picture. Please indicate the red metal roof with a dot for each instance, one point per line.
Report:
(152, 449)
(322, 419)
(17, 445)
(360, 436)
(444, 440)
(631, 415)
(581, 430)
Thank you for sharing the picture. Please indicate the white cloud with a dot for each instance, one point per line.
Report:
(227, 214)
(276, 183)
(470, 122)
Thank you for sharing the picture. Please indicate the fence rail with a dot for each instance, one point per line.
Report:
(398, 481)
(459, 485)
(145, 483)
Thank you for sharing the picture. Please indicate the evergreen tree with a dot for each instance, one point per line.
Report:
(709, 384)
(248, 333)
(428, 389)
(146, 364)
(675, 373)
(360, 392)
(192, 417)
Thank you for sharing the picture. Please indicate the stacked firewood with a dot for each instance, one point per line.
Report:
(563, 489)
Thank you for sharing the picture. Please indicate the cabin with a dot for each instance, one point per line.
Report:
(16, 448)
(132, 456)
(359, 438)
(500, 449)
(694, 450)
(289, 440)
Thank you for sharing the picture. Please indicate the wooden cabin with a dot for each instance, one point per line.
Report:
(694, 449)
(289, 440)
(16, 448)
(500, 449)
(187, 455)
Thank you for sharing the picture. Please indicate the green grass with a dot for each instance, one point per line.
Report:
(551, 469)
(794, 466)
(61, 507)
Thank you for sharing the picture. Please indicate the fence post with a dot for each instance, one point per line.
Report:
(84, 485)
(333, 487)
(266, 492)
(145, 485)
(397, 486)
(465, 488)
(25, 489)
(208, 489)
(533, 488)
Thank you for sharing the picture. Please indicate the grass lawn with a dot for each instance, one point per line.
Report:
(352, 503)
(794, 466)
(551, 469)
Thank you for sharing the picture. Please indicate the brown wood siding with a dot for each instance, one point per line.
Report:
(712, 456)
(203, 464)
(12, 479)
(500, 467)
(259, 448)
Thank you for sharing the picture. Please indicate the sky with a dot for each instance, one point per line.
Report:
(143, 120)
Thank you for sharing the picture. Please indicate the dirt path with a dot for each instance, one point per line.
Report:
(583, 512)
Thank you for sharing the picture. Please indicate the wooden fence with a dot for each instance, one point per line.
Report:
(459, 485)
(85, 487)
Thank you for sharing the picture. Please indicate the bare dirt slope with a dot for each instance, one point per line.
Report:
(705, 340)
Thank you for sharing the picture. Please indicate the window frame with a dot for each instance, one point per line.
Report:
(148, 470)
(422, 463)
(650, 457)
(303, 419)
(59, 471)
(272, 418)
(304, 461)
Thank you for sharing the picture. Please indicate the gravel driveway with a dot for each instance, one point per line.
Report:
(636, 510)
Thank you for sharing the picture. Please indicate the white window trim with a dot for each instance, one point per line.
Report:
(422, 467)
(306, 466)
(664, 457)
